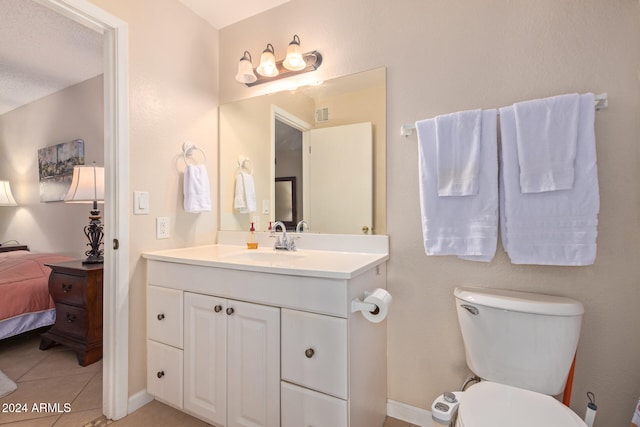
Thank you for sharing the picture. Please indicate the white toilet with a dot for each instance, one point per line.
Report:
(521, 345)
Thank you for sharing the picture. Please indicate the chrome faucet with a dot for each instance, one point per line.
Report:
(300, 226)
(285, 244)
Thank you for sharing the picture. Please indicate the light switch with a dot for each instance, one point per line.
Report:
(140, 203)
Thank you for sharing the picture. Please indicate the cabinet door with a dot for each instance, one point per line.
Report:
(164, 315)
(205, 354)
(302, 407)
(314, 352)
(253, 365)
(164, 373)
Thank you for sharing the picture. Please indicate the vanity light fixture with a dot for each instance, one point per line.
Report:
(270, 70)
(245, 69)
(267, 67)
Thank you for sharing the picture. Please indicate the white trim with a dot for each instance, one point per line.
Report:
(138, 400)
(116, 161)
(410, 414)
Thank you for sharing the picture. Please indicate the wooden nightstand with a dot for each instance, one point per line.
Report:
(76, 289)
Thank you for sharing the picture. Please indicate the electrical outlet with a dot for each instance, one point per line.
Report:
(162, 227)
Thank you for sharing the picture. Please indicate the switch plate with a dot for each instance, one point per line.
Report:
(162, 227)
(140, 203)
(265, 207)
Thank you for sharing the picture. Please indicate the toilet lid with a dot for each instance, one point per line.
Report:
(498, 405)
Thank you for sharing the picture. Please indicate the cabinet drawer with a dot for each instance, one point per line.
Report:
(67, 288)
(304, 407)
(71, 320)
(164, 373)
(314, 351)
(164, 315)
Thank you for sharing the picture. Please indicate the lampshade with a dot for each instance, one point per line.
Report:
(6, 198)
(245, 70)
(267, 65)
(87, 185)
(294, 60)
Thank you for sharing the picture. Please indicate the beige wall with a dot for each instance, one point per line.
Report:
(172, 98)
(449, 56)
(73, 113)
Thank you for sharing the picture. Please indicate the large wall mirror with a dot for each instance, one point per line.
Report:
(330, 139)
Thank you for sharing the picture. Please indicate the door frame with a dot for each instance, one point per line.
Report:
(115, 371)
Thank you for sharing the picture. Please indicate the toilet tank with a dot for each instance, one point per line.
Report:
(520, 339)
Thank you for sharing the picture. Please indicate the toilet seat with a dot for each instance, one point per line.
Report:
(498, 405)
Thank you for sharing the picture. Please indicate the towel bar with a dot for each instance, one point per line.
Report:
(601, 102)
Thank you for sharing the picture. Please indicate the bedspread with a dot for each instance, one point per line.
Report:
(24, 282)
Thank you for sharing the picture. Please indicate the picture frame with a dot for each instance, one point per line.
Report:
(55, 169)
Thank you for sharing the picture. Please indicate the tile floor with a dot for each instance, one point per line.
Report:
(54, 376)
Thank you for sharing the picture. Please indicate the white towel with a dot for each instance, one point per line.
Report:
(458, 152)
(555, 227)
(197, 196)
(547, 133)
(463, 226)
(245, 193)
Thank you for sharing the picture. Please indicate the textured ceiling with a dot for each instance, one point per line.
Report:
(42, 52)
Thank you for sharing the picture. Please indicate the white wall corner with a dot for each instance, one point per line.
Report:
(410, 414)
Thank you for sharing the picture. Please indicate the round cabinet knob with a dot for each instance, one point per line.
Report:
(160, 316)
(230, 311)
(309, 353)
(217, 308)
(160, 374)
(66, 287)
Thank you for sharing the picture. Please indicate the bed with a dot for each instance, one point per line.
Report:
(25, 303)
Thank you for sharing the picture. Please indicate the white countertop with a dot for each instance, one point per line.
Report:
(314, 258)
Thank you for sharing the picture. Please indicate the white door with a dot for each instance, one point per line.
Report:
(205, 357)
(253, 365)
(338, 179)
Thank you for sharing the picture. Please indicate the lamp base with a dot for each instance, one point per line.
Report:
(94, 233)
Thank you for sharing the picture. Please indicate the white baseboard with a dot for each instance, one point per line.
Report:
(138, 400)
(410, 414)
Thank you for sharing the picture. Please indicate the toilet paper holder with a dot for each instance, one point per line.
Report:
(359, 305)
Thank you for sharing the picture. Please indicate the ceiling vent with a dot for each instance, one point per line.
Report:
(322, 115)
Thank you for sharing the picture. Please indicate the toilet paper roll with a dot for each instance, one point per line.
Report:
(382, 300)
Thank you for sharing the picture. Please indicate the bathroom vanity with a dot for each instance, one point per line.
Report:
(240, 337)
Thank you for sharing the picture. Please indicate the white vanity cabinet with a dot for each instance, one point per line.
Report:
(269, 346)
(231, 361)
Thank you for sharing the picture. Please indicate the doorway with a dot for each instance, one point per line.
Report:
(116, 151)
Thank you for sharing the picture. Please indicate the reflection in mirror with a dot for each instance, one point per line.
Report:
(277, 131)
(285, 206)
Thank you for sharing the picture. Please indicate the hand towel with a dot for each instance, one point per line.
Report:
(458, 152)
(245, 193)
(465, 226)
(547, 133)
(555, 227)
(197, 197)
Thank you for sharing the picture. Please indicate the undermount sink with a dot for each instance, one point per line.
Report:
(268, 257)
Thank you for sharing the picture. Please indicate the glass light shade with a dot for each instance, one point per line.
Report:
(6, 197)
(245, 70)
(294, 60)
(267, 65)
(87, 185)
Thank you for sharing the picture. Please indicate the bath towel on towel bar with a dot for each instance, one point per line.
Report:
(546, 138)
(553, 227)
(465, 226)
(197, 196)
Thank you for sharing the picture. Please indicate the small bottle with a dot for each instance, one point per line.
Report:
(252, 243)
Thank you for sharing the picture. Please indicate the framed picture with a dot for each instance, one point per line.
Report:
(55, 167)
